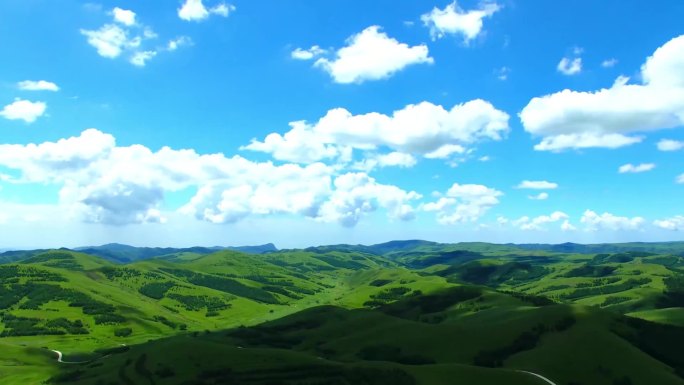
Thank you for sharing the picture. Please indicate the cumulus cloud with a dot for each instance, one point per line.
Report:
(195, 10)
(567, 226)
(670, 145)
(539, 197)
(356, 194)
(463, 203)
(37, 85)
(392, 159)
(307, 54)
(127, 37)
(419, 129)
(371, 55)
(609, 63)
(608, 221)
(101, 182)
(537, 223)
(140, 58)
(633, 169)
(178, 42)
(110, 40)
(25, 110)
(124, 16)
(569, 66)
(675, 223)
(452, 20)
(537, 185)
(613, 117)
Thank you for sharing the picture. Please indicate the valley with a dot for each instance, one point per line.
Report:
(403, 312)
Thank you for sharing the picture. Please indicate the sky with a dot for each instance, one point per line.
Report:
(203, 122)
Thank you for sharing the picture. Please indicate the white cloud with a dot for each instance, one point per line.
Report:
(222, 9)
(630, 168)
(485, 158)
(178, 42)
(452, 20)
(525, 223)
(537, 185)
(680, 179)
(40, 85)
(464, 203)
(675, 223)
(140, 58)
(569, 66)
(539, 197)
(25, 110)
(194, 10)
(445, 151)
(670, 145)
(110, 40)
(423, 129)
(611, 117)
(124, 16)
(567, 226)
(372, 55)
(392, 159)
(356, 194)
(608, 221)
(101, 182)
(502, 73)
(608, 63)
(307, 54)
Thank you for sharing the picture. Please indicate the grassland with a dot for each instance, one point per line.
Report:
(405, 312)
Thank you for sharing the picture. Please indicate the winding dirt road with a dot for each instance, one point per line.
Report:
(538, 376)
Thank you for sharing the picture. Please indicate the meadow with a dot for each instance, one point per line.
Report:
(403, 312)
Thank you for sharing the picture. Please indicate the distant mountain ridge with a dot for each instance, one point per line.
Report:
(120, 253)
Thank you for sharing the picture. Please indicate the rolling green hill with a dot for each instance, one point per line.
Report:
(411, 312)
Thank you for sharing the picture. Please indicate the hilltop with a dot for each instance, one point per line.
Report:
(405, 312)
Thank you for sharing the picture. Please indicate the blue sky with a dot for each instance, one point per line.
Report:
(303, 123)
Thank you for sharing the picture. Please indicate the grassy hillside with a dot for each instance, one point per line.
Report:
(411, 312)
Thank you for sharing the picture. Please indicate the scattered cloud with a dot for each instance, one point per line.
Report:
(542, 196)
(422, 129)
(195, 10)
(675, 223)
(101, 182)
(502, 73)
(140, 58)
(611, 117)
(307, 54)
(630, 168)
(608, 221)
(567, 226)
(537, 223)
(178, 42)
(356, 194)
(537, 185)
(111, 40)
(463, 203)
(680, 179)
(39, 85)
(569, 66)
(670, 145)
(392, 159)
(452, 20)
(25, 110)
(124, 16)
(609, 63)
(371, 55)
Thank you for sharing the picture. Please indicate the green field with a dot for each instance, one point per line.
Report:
(404, 312)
